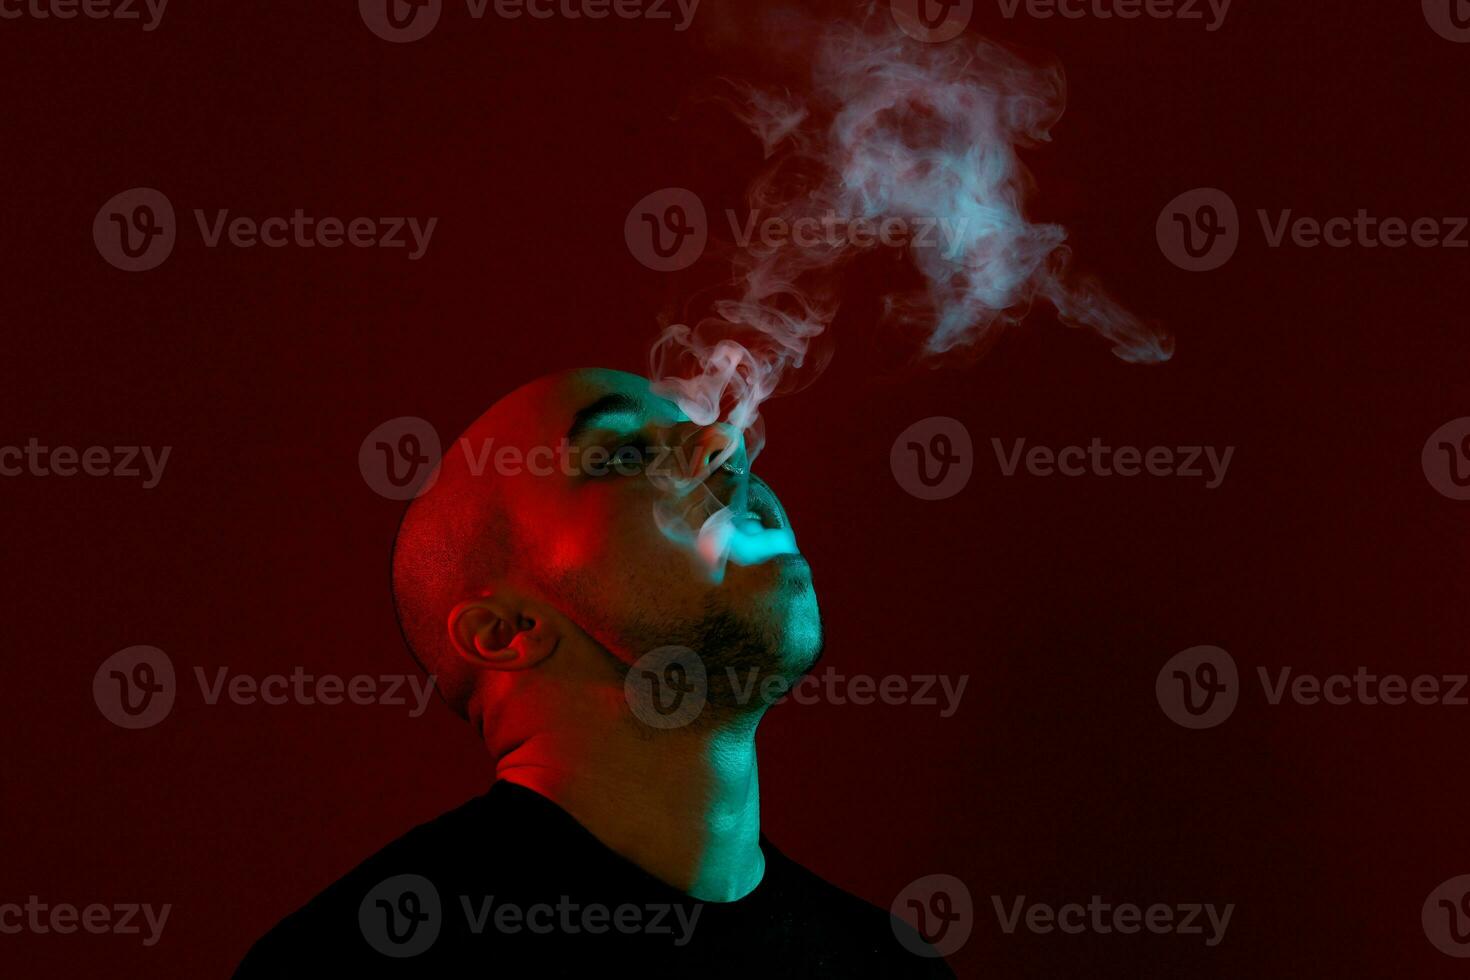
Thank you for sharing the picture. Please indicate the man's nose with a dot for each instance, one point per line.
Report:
(710, 447)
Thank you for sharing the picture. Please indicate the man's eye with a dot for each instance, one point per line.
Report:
(629, 458)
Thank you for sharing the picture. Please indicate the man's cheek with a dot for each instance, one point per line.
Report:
(579, 540)
(637, 542)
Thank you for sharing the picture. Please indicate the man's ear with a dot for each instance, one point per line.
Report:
(499, 632)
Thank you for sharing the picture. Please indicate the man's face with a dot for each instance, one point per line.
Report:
(589, 542)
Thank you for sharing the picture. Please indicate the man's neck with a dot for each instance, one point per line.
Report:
(682, 805)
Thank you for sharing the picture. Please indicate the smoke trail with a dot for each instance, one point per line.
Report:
(894, 130)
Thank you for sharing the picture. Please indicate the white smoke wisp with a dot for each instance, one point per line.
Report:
(891, 129)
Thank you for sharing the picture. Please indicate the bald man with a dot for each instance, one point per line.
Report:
(616, 662)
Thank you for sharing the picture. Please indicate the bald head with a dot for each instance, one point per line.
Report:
(458, 539)
(536, 512)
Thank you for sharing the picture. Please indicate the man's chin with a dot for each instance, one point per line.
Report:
(795, 644)
(754, 656)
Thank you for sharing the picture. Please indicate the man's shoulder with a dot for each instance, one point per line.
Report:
(859, 935)
(327, 925)
(513, 848)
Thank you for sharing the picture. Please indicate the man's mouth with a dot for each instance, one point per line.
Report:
(760, 533)
(761, 511)
(743, 522)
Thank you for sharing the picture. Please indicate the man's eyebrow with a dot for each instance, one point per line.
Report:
(589, 416)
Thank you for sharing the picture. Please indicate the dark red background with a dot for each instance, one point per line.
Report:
(263, 548)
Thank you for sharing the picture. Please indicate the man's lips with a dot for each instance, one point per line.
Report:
(724, 491)
(762, 533)
(740, 520)
(763, 506)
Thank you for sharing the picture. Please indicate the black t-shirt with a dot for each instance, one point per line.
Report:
(509, 885)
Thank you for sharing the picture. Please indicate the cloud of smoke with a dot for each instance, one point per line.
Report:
(890, 128)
